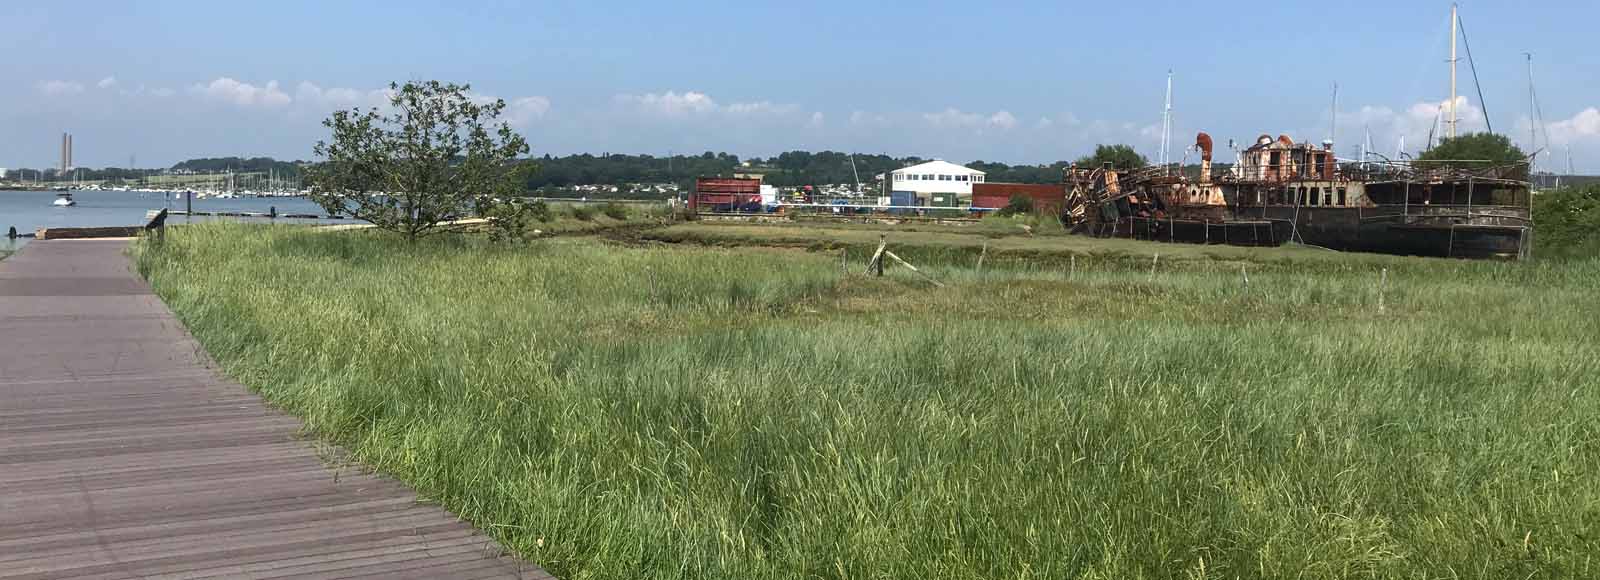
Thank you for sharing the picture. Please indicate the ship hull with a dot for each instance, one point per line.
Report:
(1192, 231)
(1387, 230)
(1342, 228)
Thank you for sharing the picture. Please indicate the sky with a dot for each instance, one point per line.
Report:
(1016, 82)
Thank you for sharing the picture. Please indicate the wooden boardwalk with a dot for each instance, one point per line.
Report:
(123, 455)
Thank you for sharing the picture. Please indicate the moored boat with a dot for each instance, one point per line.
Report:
(1281, 191)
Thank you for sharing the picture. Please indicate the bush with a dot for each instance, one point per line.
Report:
(581, 212)
(1019, 205)
(1568, 222)
(615, 211)
(540, 210)
(657, 212)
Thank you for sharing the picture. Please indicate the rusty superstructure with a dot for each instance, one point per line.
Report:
(1280, 191)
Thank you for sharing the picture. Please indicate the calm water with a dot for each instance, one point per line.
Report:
(30, 210)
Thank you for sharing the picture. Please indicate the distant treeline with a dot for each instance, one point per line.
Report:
(793, 168)
(208, 165)
(239, 165)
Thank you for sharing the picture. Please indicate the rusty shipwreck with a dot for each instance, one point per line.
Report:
(1280, 191)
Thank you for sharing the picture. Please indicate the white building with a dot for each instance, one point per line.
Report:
(931, 182)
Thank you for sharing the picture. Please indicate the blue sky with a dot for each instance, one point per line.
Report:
(1006, 81)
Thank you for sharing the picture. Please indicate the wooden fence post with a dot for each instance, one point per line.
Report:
(1383, 283)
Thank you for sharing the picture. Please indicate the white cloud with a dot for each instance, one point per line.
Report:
(1584, 126)
(56, 88)
(1151, 132)
(1388, 125)
(334, 98)
(162, 92)
(670, 103)
(228, 90)
(695, 105)
(763, 107)
(865, 118)
(955, 118)
(107, 82)
(952, 117)
(1003, 120)
(527, 110)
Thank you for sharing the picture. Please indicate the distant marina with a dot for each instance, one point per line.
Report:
(28, 210)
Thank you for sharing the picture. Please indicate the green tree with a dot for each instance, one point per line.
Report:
(1119, 156)
(438, 155)
(1476, 151)
(1568, 222)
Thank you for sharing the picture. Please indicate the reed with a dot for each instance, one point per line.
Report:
(725, 412)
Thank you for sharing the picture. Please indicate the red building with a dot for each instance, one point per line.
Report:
(1048, 198)
(724, 194)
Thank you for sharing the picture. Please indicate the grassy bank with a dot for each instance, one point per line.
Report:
(705, 412)
(1003, 243)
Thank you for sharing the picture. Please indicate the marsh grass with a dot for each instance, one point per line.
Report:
(710, 412)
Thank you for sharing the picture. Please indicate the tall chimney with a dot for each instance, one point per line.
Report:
(1203, 141)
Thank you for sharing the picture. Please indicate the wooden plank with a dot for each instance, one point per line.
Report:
(79, 233)
(122, 455)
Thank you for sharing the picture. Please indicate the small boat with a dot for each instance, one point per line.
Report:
(64, 200)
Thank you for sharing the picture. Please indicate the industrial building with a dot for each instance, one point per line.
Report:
(935, 183)
(66, 154)
(1048, 198)
(721, 194)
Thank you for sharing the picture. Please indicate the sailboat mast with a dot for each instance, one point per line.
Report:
(1366, 143)
(1166, 123)
(855, 174)
(1533, 121)
(1454, 26)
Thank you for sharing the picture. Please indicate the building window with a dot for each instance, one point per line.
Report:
(977, 178)
(1303, 200)
(961, 178)
(944, 178)
(1327, 198)
(1342, 199)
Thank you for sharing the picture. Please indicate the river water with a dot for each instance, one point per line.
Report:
(30, 210)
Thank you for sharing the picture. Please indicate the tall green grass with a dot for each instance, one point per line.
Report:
(696, 412)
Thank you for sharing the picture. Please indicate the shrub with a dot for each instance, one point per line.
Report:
(581, 212)
(1568, 220)
(540, 210)
(508, 220)
(615, 211)
(1019, 205)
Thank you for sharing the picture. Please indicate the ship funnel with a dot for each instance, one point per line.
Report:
(1203, 142)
